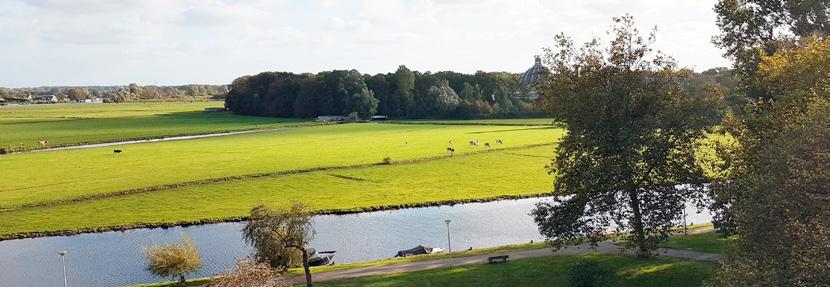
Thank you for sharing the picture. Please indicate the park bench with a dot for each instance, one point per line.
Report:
(500, 258)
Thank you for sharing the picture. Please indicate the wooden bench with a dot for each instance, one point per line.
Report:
(500, 258)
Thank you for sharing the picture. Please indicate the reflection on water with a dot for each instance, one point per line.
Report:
(115, 258)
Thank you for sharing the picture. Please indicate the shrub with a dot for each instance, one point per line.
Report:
(173, 260)
(590, 274)
(250, 273)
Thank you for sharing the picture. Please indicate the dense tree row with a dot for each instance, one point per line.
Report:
(404, 93)
(131, 92)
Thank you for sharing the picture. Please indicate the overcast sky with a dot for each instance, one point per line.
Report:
(167, 42)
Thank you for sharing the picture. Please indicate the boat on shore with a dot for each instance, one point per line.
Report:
(320, 258)
(418, 250)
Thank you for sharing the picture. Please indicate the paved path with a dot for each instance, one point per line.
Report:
(603, 247)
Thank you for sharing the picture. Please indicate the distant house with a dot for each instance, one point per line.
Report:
(45, 99)
(379, 118)
(94, 101)
(331, 118)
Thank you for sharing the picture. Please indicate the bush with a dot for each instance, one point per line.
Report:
(173, 260)
(590, 274)
(3, 150)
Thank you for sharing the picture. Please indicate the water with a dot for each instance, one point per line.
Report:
(115, 258)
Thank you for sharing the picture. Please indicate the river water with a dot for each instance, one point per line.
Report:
(115, 258)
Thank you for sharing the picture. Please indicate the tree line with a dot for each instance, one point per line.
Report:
(404, 93)
(131, 92)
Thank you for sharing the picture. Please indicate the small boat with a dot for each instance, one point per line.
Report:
(418, 250)
(321, 258)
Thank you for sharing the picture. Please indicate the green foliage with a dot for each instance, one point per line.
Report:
(709, 242)
(401, 94)
(173, 260)
(751, 29)
(590, 274)
(777, 198)
(632, 133)
(279, 236)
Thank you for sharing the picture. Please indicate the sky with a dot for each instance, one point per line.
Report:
(172, 42)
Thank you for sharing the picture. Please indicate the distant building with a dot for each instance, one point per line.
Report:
(379, 118)
(331, 118)
(93, 101)
(45, 99)
(530, 77)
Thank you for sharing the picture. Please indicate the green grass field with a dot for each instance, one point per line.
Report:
(478, 176)
(21, 127)
(47, 177)
(548, 271)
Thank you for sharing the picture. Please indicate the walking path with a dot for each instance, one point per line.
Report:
(603, 247)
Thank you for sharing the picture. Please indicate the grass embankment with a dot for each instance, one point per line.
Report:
(48, 177)
(21, 127)
(548, 271)
(464, 178)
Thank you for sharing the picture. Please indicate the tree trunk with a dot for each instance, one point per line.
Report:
(181, 279)
(306, 268)
(639, 232)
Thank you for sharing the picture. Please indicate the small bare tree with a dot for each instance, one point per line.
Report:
(250, 273)
(281, 237)
(171, 260)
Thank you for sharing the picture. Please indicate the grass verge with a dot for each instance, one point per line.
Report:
(548, 271)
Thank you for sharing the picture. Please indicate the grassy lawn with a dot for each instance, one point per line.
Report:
(45, 177)
(518, 172)
(711, 242)
(508, 122)
(72, 124)
(548, 271)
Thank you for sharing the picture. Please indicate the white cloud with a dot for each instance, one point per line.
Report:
(214, 41)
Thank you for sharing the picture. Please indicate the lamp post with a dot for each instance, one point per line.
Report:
(449, 244)
(63, 253)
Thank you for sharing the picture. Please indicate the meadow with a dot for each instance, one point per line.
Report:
(48, 177)
(21, 127)
(470, 177)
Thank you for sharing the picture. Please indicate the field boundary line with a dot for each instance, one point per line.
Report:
(163, 187)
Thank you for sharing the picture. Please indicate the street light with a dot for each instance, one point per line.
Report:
(63, 253)
(449, 244)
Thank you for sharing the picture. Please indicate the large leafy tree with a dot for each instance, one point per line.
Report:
(751, 29)
(630, 144)
(778, 196)
(281, 237)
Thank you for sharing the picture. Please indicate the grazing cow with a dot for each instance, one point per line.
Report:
(116, 151)
(43, 143)
(487, 145)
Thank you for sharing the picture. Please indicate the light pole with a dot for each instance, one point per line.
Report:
(63, 262)
(449, 243)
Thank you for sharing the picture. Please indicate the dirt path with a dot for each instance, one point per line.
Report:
(604, 248)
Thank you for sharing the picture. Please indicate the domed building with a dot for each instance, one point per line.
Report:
(531, 76)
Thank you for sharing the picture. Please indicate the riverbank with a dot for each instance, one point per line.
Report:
(686, 266)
